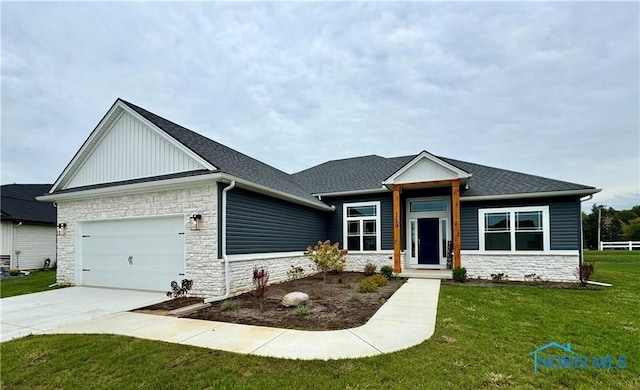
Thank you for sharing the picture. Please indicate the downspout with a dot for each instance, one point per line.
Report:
(227, 272)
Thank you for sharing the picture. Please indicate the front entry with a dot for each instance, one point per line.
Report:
(428, 241)
(428, 232)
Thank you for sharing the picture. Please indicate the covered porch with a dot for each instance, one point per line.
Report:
(426, 217)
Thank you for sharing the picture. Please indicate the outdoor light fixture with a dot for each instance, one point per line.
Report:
(195, 221)
(61, 228)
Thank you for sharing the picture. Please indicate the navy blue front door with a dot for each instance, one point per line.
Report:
(428, 241)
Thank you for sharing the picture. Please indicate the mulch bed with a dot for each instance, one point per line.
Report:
(541, 284)
(335, 304)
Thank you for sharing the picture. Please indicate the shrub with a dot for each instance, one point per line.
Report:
(370, 269)
(367, 285)
(302, 310)
(379, 279)
(14, 271)
(387, 271)
(459, 274)
(354, 297)
(586, 270)
(227, 305)
(327, 257)
(181, 290)
(499, 277)
(260, 281)
(294, 273)
(532, 278)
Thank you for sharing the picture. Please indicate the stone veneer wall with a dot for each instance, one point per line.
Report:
(200, 246)
(357, 261)
(549, 267)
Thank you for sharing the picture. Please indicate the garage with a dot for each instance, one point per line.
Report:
(140, 253)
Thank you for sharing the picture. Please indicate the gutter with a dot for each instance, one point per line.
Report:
(227, 271)
(547, 194)
(581, 257)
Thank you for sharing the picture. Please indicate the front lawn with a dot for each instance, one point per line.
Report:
(482, 340)
(37, 281)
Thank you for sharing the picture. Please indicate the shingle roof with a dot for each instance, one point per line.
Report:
(368, 172)
(19, 203)
(226, 159)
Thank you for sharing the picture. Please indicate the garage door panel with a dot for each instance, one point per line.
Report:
(134, 253)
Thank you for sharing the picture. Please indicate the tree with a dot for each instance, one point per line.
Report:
(632, 230)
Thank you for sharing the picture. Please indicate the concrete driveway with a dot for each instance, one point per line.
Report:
(45, 311)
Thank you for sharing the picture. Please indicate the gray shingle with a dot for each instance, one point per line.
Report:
(19, 203)
(368, 172)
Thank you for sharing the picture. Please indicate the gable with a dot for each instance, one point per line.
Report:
(126, 147)
(425, 168)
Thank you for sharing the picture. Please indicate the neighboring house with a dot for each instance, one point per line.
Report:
(145, 201)
(28, 227)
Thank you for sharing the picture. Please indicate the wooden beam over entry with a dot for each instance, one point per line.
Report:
(397, 268)
(455, 205)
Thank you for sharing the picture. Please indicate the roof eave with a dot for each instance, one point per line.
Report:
(530, 195)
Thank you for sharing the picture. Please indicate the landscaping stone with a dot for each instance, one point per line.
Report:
(294, 299)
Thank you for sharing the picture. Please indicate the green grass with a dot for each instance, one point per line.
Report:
(37, 281)
(482, 340)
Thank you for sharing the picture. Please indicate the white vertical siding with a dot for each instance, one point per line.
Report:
(6, 239)
(131, 150)
(425, 170)
(35, 243)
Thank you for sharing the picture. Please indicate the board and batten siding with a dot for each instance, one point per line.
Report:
(131, 150)
(564, 220)
(258, 223)
(335, 222)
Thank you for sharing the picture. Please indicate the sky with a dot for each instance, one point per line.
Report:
(546, 88)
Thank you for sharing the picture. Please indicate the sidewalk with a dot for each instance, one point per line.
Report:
(408, 318)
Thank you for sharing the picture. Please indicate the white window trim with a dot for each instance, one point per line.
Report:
(546, 228)
(346, 219)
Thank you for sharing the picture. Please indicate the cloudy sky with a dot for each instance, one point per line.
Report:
(545, 88)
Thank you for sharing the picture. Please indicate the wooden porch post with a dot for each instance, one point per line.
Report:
(455, 202)
(397, 268)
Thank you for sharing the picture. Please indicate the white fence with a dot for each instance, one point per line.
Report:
(627, 245)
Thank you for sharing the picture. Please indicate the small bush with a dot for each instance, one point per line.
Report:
(586, 270)
(227, 305)
(387, 271)
(532, 278)
(327, 257)
(370, 269)
(354, 297)
(260, 281)
(14, 271)
(302, 310)
(367, 285)
(459, 274)
(181, 290)
(499, 277)
(379, 279)
(294, 273)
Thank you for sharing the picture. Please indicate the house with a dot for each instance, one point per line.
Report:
(146, 201)
(28, 235)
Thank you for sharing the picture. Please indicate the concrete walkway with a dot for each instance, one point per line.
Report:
(408, 318)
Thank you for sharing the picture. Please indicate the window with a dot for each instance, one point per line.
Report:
(362, 226)
(420, 206)
(514, 229)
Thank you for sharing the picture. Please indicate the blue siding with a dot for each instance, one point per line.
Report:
(258, 223)
(334, 223)
(564, 220)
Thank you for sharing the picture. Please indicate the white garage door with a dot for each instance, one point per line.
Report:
(144, 254)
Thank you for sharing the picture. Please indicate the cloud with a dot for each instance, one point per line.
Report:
(544, 88)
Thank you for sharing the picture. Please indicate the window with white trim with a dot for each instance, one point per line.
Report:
(514, 229)
(361, 226)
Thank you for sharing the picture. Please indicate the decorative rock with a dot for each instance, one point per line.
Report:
(294, 299)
